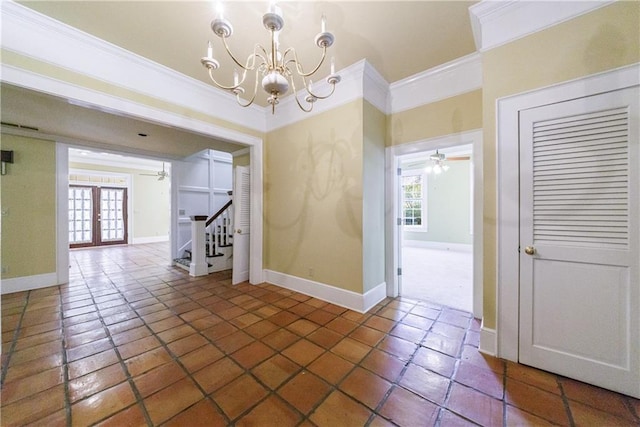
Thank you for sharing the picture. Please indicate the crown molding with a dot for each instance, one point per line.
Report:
(495, 23)
(444, 81)
(40, 37)
(376, 89)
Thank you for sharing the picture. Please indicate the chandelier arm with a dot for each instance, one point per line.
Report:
(299, 69)
(333, 88)
(244, 67)
(295, 95)
(221, 86)
(255, 91)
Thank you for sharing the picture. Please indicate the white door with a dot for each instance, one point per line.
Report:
(241, 222)
(580, 240)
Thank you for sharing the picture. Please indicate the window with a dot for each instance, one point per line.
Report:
(414, 200)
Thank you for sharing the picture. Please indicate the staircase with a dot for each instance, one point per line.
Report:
(217, 243)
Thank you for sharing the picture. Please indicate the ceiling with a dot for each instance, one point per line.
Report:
(398, 38)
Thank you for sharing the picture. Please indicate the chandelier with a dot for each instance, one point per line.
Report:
(438, 166)
(274, 69)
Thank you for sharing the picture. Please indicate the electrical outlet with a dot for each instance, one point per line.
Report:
(4, 211)
(310, 272)
(5, 269)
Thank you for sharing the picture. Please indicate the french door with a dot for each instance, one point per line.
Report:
(97, 216)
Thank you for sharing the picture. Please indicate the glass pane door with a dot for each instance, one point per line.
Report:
(80, 215)
(97, 216)
(112, 215)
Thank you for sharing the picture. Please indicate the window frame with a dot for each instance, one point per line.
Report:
(424, 211)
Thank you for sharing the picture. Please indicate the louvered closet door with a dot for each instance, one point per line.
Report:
(579, 204)
(241, 224)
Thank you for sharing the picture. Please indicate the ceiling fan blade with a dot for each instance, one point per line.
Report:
(149, 174)
(459, 158)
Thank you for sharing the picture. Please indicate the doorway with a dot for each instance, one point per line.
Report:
(113, 199)
(97, 216)
(436, 189)
(396, 219)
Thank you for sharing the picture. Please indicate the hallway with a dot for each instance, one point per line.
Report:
(133, 341)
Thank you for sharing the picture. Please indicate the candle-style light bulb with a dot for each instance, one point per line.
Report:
(235, 77)
(323, 28)
(209, 50)
(310, 85)
(219, 10)
(333, 65)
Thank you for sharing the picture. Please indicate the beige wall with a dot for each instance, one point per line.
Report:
(242, 160)
(601, 40)
(29, 198)
(448, 116)
(150, 199)
(313, 198)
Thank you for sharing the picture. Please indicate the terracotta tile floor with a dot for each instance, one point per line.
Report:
(130, 341)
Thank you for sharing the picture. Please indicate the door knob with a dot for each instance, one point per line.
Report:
(529, 250)
(239, 231)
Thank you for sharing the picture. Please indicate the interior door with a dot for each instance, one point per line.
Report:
(580, 240)
(241, 222)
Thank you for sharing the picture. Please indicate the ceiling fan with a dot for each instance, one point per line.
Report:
(438, 162)
(160, 174)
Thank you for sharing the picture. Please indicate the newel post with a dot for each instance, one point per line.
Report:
(198, 266)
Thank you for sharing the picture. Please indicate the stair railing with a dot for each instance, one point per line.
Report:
(219, 229)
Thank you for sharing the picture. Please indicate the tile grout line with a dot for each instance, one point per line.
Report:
(565, 402)
(123, 365)
(14, 339)
(65, 363)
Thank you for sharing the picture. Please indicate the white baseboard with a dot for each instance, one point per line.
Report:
(153, 239)
(488, 341)
(27, 283)
(461, 247)
(344, 298)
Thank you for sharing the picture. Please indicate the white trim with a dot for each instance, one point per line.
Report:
(152, 239)
(119, 106)
(240, 152)
(27, 283)
(375, 89)
(256, 273)
(374, 296)
(507, 131)
(38, 36)
(488, 341)
(99, 173)
(62, 214)
(342, 297)
(495, 23)
(460, 247)
(392, 257)
(456, 77)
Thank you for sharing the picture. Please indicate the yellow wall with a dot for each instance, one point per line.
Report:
(313, 198)
(29, 198)
(601, 40)
(448, 116)
(242, 160)
(150, 198)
